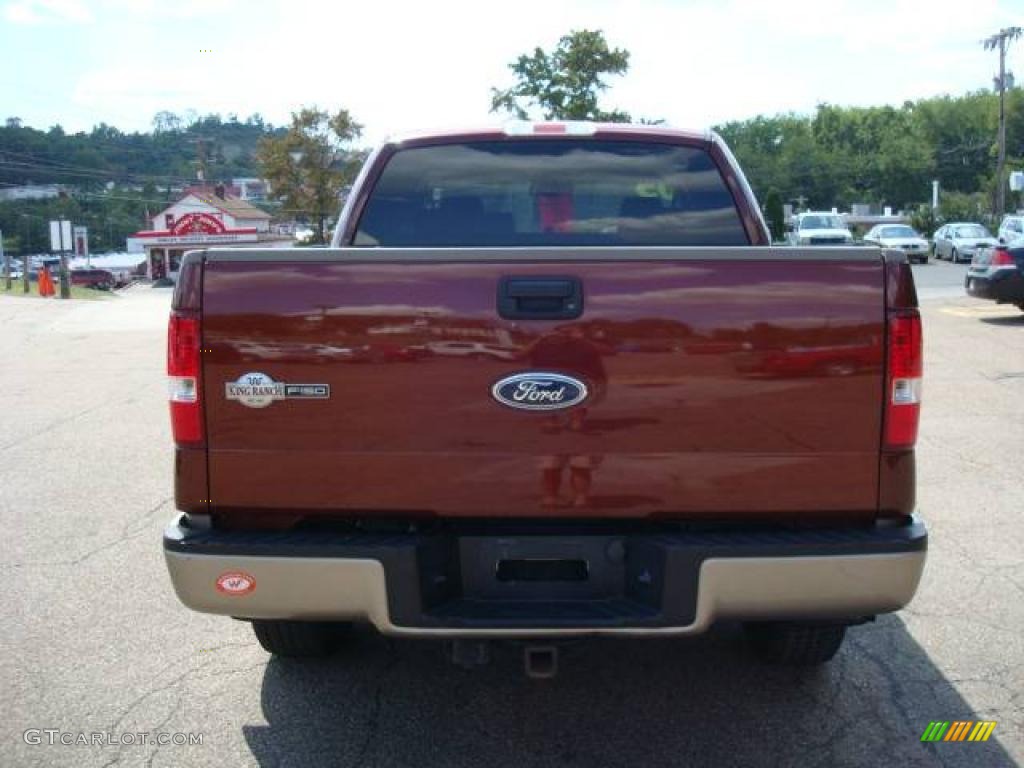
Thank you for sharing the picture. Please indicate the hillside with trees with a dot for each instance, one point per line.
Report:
(883, 155)
(112, 179)
(176, 148)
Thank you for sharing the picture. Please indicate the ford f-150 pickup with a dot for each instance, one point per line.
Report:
(609, 407)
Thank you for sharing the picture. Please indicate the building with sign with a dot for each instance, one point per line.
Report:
(200, 219)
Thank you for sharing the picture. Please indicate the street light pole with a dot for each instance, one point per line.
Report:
(999, 41)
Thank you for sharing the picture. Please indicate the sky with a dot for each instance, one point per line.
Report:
(403, 66)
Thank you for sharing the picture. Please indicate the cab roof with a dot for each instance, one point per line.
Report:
(554, 129)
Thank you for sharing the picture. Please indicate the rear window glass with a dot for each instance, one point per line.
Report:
(549, 193)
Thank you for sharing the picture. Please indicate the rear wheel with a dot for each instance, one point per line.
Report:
(299, 639)
(795, 643)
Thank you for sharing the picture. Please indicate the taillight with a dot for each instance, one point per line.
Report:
(903, 383)
(1001, 258)
(183, 338)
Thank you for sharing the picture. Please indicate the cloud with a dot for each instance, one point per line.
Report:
(179, 9)
(47, 12)
(695, 64)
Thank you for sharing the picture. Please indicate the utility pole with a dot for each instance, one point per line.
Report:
(25, 262)
(200, 162)
(7, 263)
(999, 41)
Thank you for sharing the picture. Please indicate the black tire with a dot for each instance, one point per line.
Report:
(954, 257)
(299, 639)
(794, 643)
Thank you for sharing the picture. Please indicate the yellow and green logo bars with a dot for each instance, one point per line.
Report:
(958, 730)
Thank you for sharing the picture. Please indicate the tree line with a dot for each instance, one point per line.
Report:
(834, 157)
(885, 155)
(176, 149)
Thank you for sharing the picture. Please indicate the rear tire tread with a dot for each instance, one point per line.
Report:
(299, 639)
(796, 644)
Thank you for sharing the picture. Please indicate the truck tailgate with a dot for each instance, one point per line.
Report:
(723, 383)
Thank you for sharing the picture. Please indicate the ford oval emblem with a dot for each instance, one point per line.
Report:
(538, 391)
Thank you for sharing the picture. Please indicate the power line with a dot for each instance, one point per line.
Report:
(25, 169)
(102, 196)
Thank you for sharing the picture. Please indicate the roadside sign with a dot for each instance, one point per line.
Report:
(60, 241)
(81, 241)
(60, 235)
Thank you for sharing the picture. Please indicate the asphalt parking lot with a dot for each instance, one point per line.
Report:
(92, 638)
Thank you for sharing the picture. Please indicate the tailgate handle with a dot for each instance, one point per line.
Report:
(540, 298)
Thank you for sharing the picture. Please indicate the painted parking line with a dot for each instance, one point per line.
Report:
(993, 311)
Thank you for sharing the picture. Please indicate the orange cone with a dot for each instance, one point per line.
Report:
(45, 283)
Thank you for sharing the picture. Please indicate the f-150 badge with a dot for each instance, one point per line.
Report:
(257, 390)
(539, 391)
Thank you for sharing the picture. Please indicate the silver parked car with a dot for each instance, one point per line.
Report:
(958, 241)
(899, 236)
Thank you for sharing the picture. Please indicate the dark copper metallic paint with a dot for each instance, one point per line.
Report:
(679, 429)
(897, 484)
(897, 471)
(191, 487)
(191, 490)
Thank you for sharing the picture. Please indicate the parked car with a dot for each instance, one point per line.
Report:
(473, 504)
(817, 228)
(901, 237)
(1011, 229)
(958, 241)
(101, 279)
(997, 274)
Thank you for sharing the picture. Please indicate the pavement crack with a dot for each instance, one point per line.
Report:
(124, 537)
(373, 720)
(74, 417)
(145, 516)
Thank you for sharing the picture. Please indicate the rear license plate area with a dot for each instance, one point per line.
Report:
(547, 569)
(541, 567)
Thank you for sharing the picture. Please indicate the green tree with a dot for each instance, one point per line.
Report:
(566, 83)
(775, 214)
(309, 165)
(165, 121)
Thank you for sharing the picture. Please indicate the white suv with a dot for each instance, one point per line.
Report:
(1011, 229)
(816, 228)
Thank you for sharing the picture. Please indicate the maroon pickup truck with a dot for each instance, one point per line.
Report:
(598, 417)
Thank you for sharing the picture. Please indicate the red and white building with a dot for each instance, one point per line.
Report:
(203, 217)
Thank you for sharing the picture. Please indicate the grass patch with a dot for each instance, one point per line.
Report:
(77, 291)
